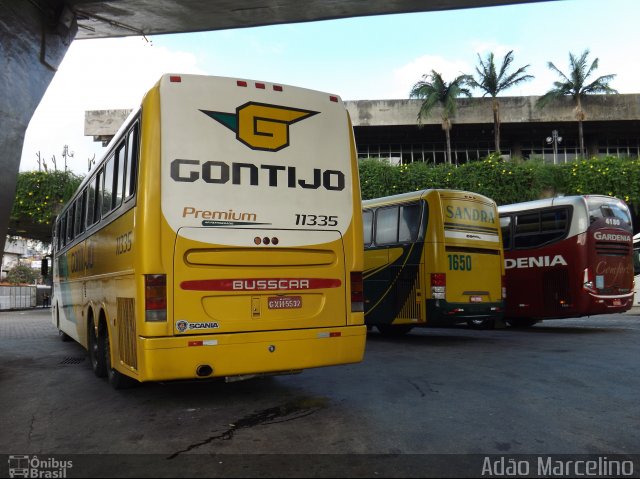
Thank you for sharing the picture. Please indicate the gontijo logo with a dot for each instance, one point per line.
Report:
(261, 126)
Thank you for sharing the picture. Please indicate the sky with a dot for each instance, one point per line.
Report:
(365, 58)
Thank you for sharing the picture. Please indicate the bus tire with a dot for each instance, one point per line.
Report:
(522, 323)
(96, 351)
(481, 323)
(394, 330)
(115, 378)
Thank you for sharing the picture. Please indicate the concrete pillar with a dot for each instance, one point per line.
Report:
(34, 37)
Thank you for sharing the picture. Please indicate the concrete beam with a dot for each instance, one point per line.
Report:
(34, 38)
(520, 109)
(104, 124)
(103, 18)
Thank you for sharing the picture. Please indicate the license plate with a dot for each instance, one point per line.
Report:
(284, 302)
(476, 299)
(617, 302)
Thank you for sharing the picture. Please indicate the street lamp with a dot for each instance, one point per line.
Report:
(554, 139)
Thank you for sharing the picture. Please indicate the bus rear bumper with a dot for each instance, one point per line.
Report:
(254, 353)
(444, 313)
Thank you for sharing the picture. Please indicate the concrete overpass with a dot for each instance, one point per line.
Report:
(35, 35)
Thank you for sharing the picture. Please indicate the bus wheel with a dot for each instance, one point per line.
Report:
(116, 378)
(522, 323)
(481, 323)
(96, 352)
(394, 329)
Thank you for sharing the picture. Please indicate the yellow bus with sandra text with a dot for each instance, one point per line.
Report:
(432, 258)
(218, 237)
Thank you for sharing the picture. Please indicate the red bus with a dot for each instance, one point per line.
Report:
(566, 257)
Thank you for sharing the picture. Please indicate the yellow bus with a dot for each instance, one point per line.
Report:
(218, 237)
(432, 258)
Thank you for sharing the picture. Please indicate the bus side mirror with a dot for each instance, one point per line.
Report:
(44, 267)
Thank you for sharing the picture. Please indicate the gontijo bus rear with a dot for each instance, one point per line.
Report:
(240, 250)
(432, 258)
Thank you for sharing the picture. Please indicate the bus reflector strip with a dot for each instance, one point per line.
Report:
(334, 334)
(208, 342)
(260, 284)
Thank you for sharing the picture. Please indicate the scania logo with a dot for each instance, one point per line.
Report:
(261, 126)
(182, 325)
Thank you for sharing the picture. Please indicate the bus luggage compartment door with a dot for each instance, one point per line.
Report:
(241, 280)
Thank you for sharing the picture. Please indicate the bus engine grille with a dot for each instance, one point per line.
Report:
(127, 332)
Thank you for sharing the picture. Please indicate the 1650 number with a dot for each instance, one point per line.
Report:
(459, 262)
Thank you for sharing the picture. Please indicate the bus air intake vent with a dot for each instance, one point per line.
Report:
(613, 249)
(127, 332)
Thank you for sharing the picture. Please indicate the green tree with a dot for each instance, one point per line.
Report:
(433, 90)
(575, 85)
(39, 197)
(21, 274)
(492, 82)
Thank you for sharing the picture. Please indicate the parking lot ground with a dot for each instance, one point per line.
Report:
(426, 404)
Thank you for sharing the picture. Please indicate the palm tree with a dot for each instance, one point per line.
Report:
(575, 85)
(493, 83)
(433, 90)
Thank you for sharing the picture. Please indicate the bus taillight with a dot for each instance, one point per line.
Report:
(155, 297)
(438, 285)
(357, 292)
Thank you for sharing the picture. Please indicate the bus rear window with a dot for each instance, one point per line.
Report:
(603, 209)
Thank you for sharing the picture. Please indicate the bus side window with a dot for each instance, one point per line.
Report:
(541, 227)
(367, 223)
(62, 228)
(118, 178)
(91, 202)
(108, 193)
(132, 161)
(98, 203)
(409, 223)
(81, 205)
(505, 226)
(70, 218)
(387, 225)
